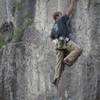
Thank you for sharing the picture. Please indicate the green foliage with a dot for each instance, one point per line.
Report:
(17, 34)
(2, 41)
(16, 4)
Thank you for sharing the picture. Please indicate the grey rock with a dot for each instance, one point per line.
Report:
(27, 67)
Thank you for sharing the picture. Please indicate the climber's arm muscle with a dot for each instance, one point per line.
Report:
(70, 9)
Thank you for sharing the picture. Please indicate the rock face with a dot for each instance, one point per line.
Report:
(3, 11)
(27, 67)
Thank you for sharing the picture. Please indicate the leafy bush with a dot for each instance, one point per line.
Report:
(2, 41)
(16, 35)
(16, 4)
(2, 44)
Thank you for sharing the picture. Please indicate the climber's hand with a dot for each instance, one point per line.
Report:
(70, 9)
(55, 41)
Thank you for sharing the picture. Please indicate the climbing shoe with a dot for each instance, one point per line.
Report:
(68, 63)
(55, 82)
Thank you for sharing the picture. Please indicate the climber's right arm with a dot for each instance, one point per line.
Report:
(55, 41)
(70, 9)
(50, 39)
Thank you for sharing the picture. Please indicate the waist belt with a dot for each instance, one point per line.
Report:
(63, 49)
(58, 49)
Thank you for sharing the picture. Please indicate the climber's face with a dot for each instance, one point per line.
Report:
(57, 15)
(60, 15)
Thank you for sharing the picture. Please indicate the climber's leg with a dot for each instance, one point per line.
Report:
(59, 63)
(75, 52)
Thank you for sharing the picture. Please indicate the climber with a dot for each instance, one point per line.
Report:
(60, 36)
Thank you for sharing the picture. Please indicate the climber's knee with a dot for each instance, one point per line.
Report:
(79, 50)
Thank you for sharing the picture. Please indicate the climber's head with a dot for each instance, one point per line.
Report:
(57, 15)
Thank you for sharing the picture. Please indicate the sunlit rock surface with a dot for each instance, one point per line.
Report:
(27, 67)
